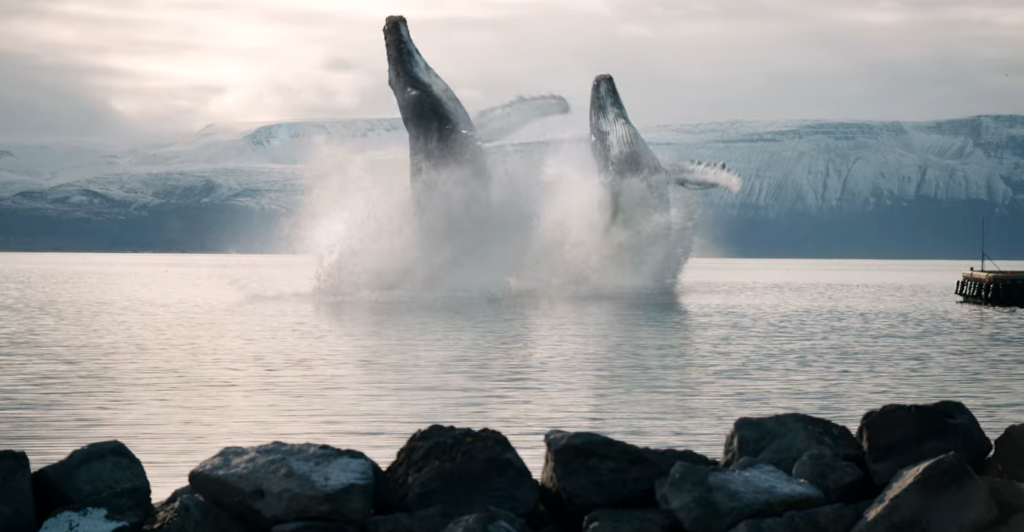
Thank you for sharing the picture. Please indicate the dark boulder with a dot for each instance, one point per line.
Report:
(430, 520)
(187, 511)
(1008, 458)
(1015, 524)
(281, 483)
(831, 518)
(463, 469)
(103, 475)
(781, 440)
(493, 520)
(16, 507)
(940, 494)
(647, 520)
(316, 526)
(584, 472)
(1008, 496)
(898, 436)
(839, 480)
(712, 499)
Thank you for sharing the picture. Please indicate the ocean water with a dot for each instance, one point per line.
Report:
(181, 355)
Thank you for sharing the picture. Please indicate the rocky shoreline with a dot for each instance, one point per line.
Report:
(906, 468)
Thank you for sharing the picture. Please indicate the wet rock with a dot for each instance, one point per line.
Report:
(16, 506)
(84, 520)
(463, 469)
(781, 440)
(648, 520)
(187, 511)
(493, 520)
(430, 520)
(103, 475)
(584, 472)
(839, 480)
(711, 499)
(1008, 457)
(940, 494)
(280, 483)
(831, 518)
(898, 436)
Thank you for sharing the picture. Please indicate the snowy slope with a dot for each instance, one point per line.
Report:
(816, 167)
(850, 174)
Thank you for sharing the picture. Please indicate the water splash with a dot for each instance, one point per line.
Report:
(544, 229)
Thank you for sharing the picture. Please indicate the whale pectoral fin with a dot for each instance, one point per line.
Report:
(702, 176)
(496, 123)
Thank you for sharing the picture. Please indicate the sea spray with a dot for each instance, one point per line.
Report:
(542, 226)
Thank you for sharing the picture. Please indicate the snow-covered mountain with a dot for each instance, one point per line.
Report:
(811, 188)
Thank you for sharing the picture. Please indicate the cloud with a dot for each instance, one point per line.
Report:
(175, 65)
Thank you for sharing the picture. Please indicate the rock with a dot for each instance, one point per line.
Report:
(746, 463)
(1007, 494)
(898, 436)
(711, 499)
(493, 520)
(648, 520)
(463, 469)
(1008, 457)
(83, 520)
(430, 520)
(100, 475)
(940, 494)
(315, 526)
(281, 483)
(839, 480)
(1015, 524)
(187, 511)
(16, 506)
(584, 472)
(832, 518)
(781, 440)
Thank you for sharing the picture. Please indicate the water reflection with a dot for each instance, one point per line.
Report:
(178, 356)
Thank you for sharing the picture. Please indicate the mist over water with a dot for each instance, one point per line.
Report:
(542, 225)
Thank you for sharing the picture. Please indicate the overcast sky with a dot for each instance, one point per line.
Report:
(147, 69)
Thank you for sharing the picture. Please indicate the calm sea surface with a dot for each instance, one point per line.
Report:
(181, 355)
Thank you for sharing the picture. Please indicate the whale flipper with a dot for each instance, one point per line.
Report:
(496, 123)
(702, 176)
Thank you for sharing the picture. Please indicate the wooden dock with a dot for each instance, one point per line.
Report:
(1003, 289)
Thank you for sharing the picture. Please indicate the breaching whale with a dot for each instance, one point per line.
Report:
(446, 145)
(460, 218)
(649, 237)
(627, 163)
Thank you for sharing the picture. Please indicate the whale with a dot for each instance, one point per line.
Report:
(459, 213)
(649, 235)
(628, 166)
(447, 163)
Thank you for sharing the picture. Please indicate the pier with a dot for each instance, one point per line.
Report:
(1003, 289)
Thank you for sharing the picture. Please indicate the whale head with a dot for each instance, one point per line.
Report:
(619, 150)
(427, 104)
(605, 104)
